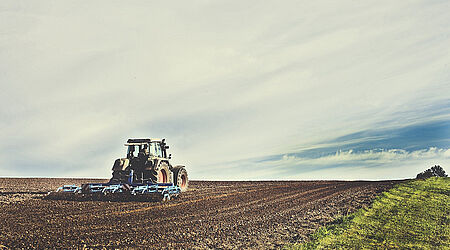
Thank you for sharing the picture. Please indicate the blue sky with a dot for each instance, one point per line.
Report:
(241, 90)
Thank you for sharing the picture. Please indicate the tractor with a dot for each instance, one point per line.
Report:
(144, 173)
(148, 161)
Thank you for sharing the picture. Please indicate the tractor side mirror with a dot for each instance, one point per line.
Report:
(170, 156)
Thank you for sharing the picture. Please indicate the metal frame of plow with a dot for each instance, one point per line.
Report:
(160, 191)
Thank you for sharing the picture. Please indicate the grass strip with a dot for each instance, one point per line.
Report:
(412, 215)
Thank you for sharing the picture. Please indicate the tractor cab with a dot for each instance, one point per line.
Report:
(147, 147)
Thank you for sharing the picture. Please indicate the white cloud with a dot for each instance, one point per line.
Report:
(343, 165)
(369, 157)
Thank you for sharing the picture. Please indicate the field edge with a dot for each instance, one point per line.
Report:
(413, 214)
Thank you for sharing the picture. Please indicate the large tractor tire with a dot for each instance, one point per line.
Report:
(180, 177)
(163, 173)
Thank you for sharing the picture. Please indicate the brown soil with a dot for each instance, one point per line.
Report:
(210, 215)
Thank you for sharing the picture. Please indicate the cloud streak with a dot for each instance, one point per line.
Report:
(343, 165)
(369, 157)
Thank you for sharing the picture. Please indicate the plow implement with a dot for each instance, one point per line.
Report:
(116, 192)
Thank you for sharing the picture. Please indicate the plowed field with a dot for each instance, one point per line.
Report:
(266, 214)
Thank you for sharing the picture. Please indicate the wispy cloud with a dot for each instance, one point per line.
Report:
(367, 157)
(371, 154)
(343, 165)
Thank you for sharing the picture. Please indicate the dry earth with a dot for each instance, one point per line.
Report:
(210, 215)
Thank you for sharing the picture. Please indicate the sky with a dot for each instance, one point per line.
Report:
(241, 90)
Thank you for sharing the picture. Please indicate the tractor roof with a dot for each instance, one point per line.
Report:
(146, 140)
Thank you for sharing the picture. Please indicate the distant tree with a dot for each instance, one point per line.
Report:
(437, 171)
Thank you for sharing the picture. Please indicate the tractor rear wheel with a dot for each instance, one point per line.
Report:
(163, 173)
(180, 177)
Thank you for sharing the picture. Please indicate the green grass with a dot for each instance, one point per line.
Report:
(412, 215)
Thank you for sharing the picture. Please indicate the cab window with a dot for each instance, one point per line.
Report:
(155, 149)
(133, 150)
